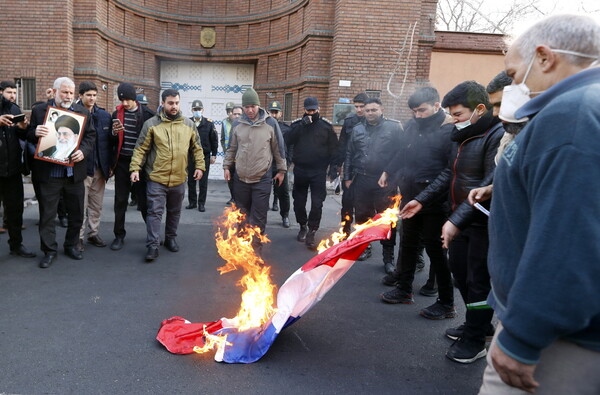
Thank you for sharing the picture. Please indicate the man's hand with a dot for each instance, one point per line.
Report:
(348, 183)
(513, 372)
(198, 174)
(6, 120)
(135, 176)
(383, 180)
(76, 156)
(449, 232)
(227, 175)
(411, 208)
(41, 131)
(480, 194)
(279, 178)
(213, 159)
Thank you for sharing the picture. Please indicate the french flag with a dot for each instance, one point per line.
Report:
(300, 292)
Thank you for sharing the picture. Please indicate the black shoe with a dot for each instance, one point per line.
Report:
(466, 350)
(396, 296)
(456, 333)
(420, 263)
(63, 222)
(428, 290)
(201, 208)
(388, 259)
(132, 203)
(438, 311)
(79, 245)
(47, 260)
(389, 268)
(310, 239)
(230, 202)
(171, 245)
(275, 206)
(23, 252)
(366, 254)
(117, 244)
(391, 280)
(302, 234)
(347, 229)
(190, 206)
(285, 222)
(97, 241)
(151, 254)
(73, 253)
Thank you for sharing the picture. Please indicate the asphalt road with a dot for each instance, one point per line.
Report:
(89, 327)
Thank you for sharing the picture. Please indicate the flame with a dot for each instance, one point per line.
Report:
(389, 215)
(211, 341)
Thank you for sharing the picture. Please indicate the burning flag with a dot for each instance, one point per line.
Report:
(248, 336)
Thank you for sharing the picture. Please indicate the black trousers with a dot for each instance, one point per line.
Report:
(200, 197)
(253, 199)
(282, 193)
(428, 228)
(347, 213)
(50, 192)
(11, 192)
(370, 199)
(468, 263)
(123, 185)
(303, 181)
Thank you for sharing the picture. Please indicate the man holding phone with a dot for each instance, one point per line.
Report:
(128, 120)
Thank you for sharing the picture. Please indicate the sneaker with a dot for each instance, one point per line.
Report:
(428, 290)
(438, 311)
(390, 280)
(466, 351)
(456, 333)
(310, 240)
(396, 296)
(275, 206)
(366, 254)
(302, 234)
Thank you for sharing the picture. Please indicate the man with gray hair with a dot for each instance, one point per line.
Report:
(56, 179)
(544, 278)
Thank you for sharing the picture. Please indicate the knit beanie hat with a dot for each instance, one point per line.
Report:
(126, 91)
(250, 97)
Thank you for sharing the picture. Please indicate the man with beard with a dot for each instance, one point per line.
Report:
(128, 120)
(476, 136)
(423, 153)
(162, 149)
(314, 146)
(55, 179)
(67, 133)
(371, 147)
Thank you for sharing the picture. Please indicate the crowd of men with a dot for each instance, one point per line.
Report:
(531, 139)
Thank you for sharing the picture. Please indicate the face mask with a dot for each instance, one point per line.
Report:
(464, 124)
(197, 114)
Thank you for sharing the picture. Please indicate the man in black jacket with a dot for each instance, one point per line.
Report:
(314, 145)
(476, 136)
(370, 149)
(281, 192)
(210, 145)
(11, 182)
(423, 154)
(55, 179)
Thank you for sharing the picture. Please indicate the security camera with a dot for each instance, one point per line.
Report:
(104, 87)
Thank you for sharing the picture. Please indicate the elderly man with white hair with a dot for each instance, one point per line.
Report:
(544, 255)
(56, 179)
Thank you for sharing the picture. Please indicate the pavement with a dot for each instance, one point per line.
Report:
(89, 326)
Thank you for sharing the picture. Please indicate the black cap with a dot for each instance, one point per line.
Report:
(311, 103)
(274, 106)
(126, 91)
(67, 121)
(197, 104)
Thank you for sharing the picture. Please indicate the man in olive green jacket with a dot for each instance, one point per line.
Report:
(162, 150)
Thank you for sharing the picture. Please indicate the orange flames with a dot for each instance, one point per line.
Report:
(234, 243)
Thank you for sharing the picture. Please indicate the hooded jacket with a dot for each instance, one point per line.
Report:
(162, 149)
(253, 146)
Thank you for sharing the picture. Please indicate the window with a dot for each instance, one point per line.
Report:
(26, 89)
(288, 100)
(373, 94)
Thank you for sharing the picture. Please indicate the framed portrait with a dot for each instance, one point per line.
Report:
(340, 112)
(64, 136)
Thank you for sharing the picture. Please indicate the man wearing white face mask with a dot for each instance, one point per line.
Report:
(545, 280)
(210, 146)
(476, 136)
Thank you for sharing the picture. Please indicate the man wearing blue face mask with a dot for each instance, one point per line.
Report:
(544, 223)
(210, 145)
(476, 136)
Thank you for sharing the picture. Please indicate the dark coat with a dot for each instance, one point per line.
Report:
(143, 113)
(209, 139)
(103, 150)
(471, 166)
(345, 133)
(42, 168)
(314, 144)
(11, 154)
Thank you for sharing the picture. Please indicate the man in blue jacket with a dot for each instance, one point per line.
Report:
(544, 259)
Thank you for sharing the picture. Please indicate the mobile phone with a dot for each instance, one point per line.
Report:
(117, 126)
(18, 118)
